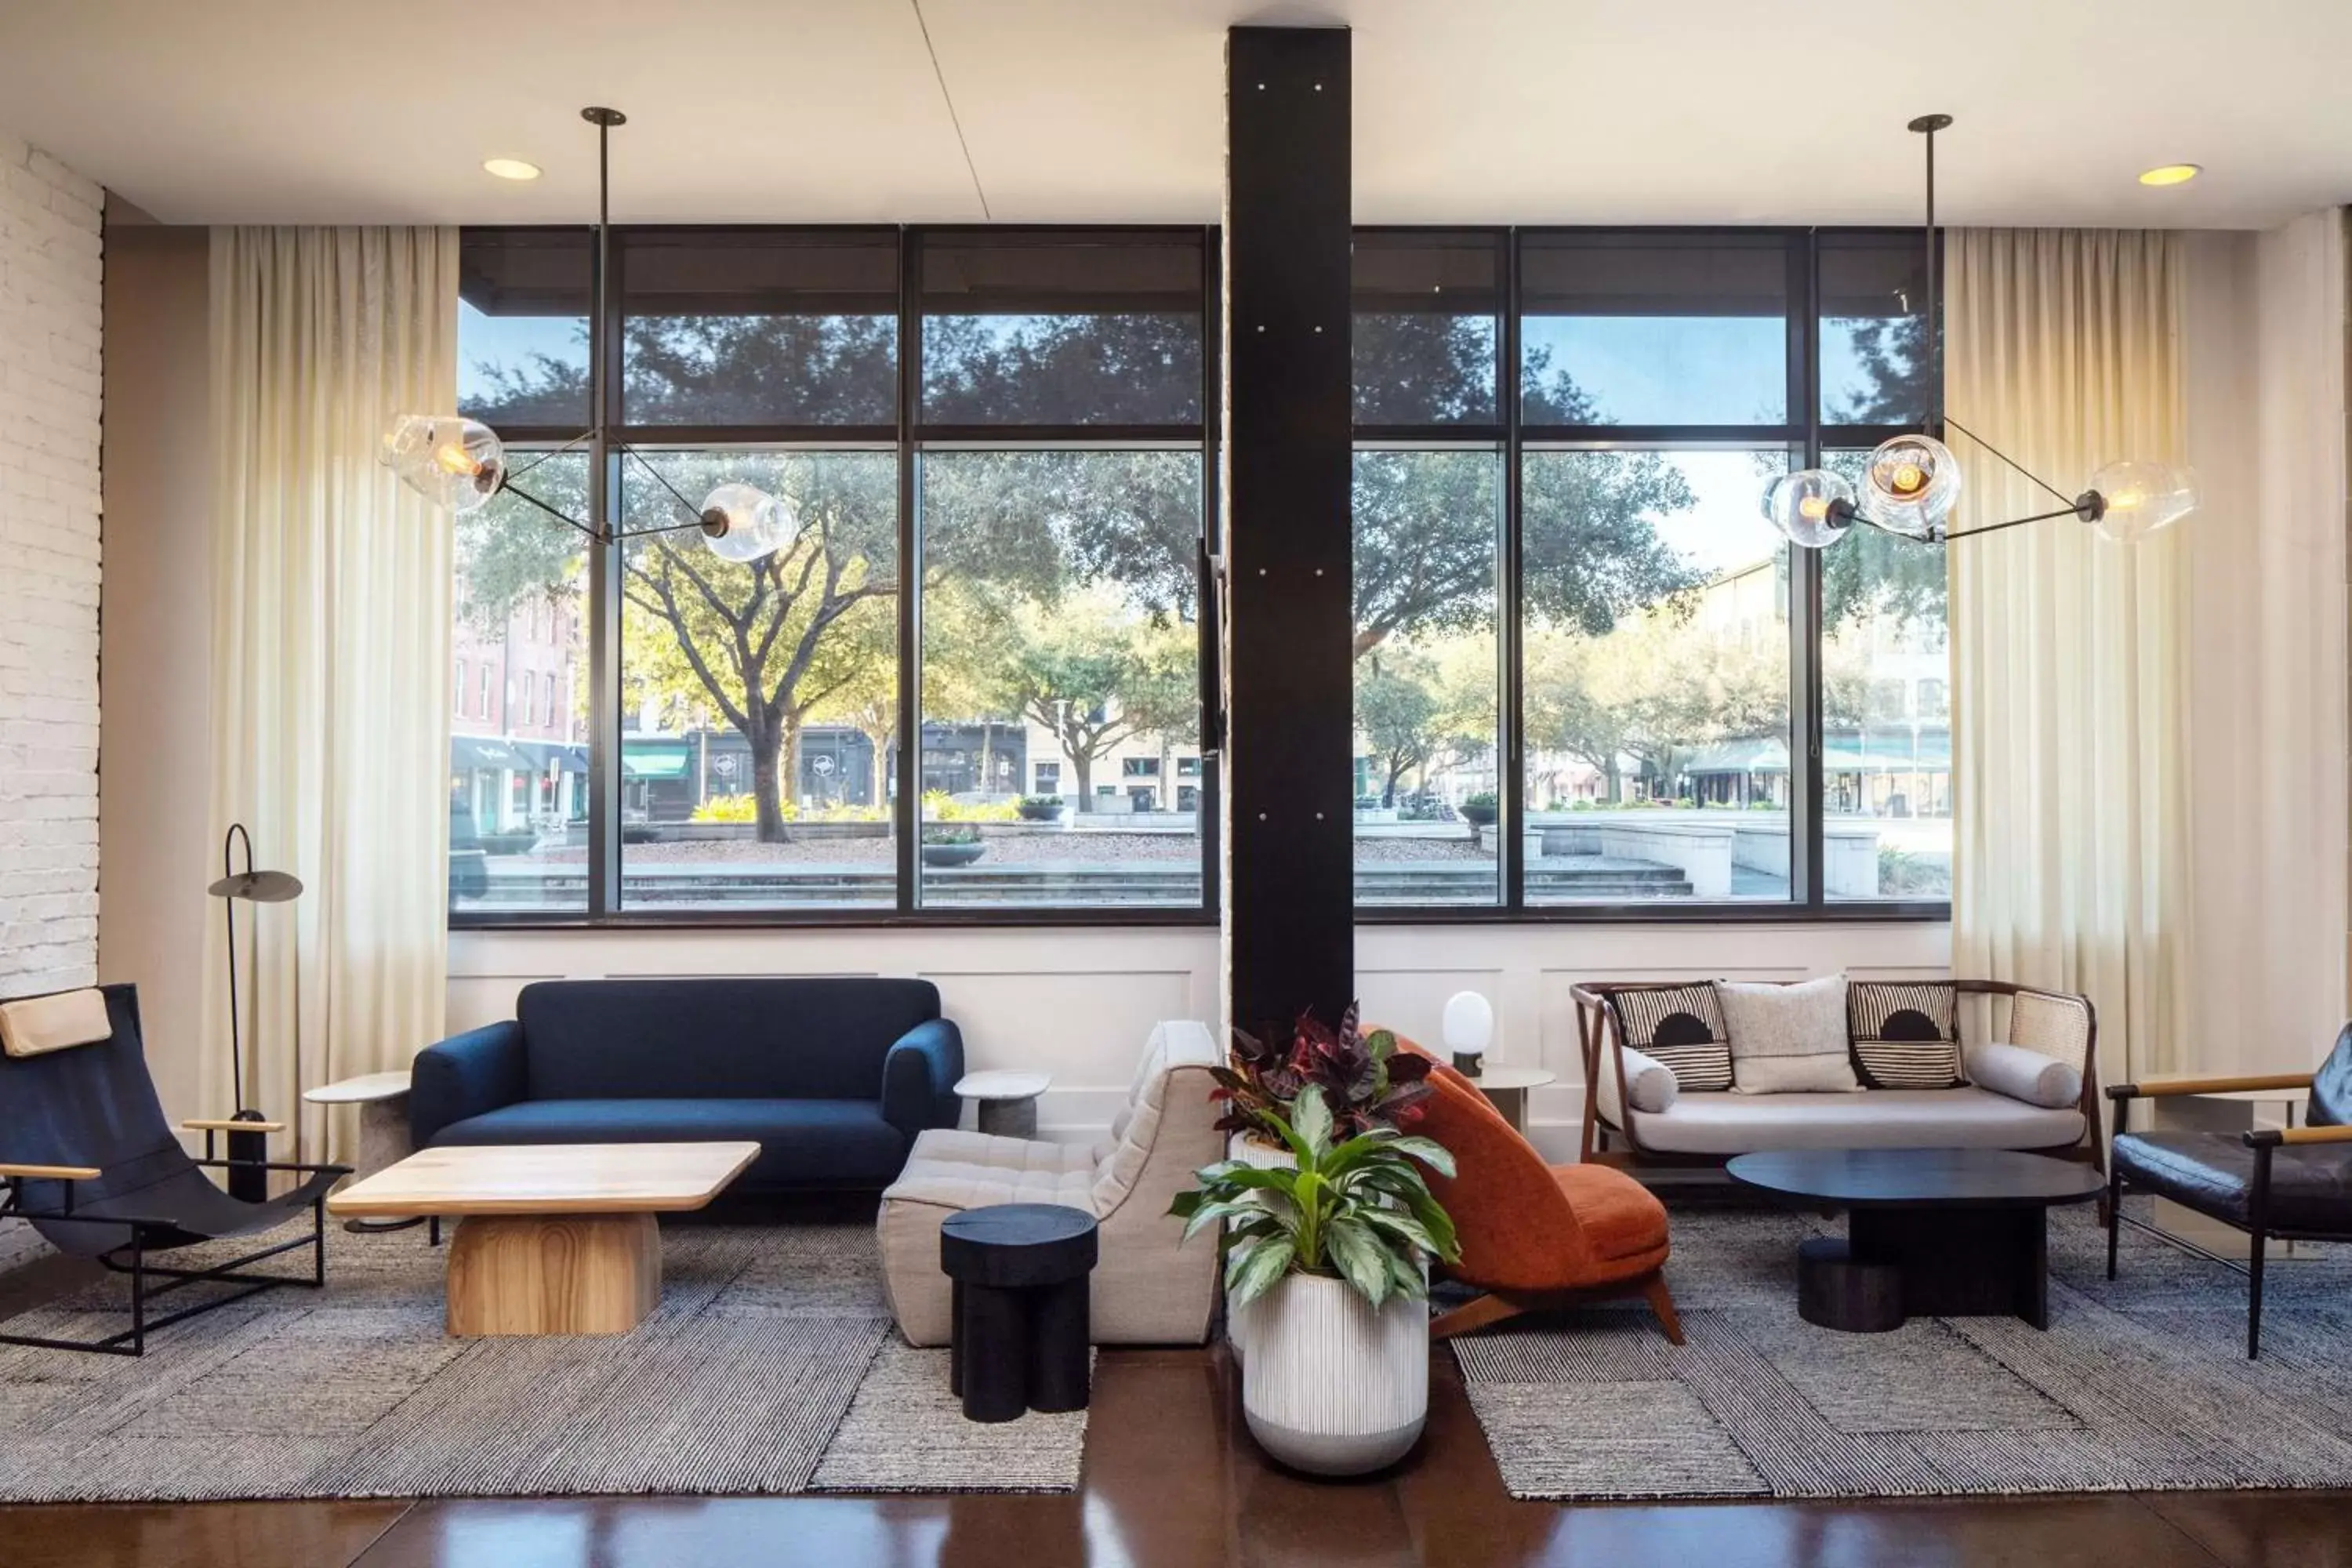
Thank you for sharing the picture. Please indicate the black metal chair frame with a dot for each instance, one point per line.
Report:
(2265, 1143)
(88, 1158)
(146, 1232)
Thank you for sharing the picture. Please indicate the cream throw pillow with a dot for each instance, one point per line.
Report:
(1788, 1039)
(40, 1025)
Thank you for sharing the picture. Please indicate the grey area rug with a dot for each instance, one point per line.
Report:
(771, 1367)
(2140, 1385)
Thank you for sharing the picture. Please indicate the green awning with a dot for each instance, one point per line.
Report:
(653, 761)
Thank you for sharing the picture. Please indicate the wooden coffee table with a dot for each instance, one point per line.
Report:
(1940, 1233)
(553, 1238)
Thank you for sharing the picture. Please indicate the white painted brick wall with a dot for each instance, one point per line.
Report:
(52, 330)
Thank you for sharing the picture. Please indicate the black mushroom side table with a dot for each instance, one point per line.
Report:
(1930, 1233)
(1020, 1301)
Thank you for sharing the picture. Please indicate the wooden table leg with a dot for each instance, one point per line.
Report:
(553, 1274)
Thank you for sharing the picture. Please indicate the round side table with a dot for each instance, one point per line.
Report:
(383, 1100)
(1007, 1100)
(1020, 1320)
(1505, 1088)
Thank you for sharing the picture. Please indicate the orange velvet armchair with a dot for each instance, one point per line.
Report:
(1535, 1235)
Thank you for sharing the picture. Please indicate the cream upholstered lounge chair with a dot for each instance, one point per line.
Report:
(1146, 1289)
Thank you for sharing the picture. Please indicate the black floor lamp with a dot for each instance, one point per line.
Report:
(247, 1151)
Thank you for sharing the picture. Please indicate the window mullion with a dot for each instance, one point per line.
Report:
(906, 814)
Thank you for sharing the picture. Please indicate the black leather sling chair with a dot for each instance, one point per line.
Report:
(91, 1165)
(2292, 1182)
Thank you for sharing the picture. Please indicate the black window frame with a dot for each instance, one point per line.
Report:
(1804, 436)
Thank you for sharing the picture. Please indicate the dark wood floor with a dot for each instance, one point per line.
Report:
(1171, 1479)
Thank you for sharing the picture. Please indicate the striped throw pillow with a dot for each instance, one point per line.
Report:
(1907, 1035)
(1681, 1028)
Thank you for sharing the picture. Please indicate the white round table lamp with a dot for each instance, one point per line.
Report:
(1469, 1028)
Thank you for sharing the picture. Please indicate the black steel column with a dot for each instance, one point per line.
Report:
(1289, 673)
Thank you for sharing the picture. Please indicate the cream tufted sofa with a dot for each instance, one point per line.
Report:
(1146, 1289)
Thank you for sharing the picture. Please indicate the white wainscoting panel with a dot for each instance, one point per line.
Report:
(1079, 1003)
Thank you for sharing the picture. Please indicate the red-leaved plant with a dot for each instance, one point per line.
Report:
(1365, 1079)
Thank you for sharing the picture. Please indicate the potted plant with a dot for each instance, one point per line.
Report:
(1329, 1257)
(1481, 809)
(957, 846)
(1041, 808)
(1365, 1081)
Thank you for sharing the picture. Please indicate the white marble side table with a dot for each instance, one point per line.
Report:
(1505, 1088)
(383, 1100)
(1006, 1100)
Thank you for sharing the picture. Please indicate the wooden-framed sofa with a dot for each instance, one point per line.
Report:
(1706, 1128)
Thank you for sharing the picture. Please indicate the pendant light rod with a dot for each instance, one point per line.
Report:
(1926, 125)
(2090, 508)
(599, 499)
(2005, 458)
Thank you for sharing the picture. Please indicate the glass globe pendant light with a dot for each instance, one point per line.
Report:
(459, 463)
(1811, 506)
(1913, 482)
(1910, 486)
(744, 522)
(2137, 498)
(451, 461)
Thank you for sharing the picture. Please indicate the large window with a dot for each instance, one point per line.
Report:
(1045, 451)
(518, 764)
(1428, 496)
(760, 702)
(1061, 678)
(1059, 504)
(1589, 676)
(1656, 688)
(1592, 547)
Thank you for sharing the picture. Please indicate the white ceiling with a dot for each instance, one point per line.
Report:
(1473, 110)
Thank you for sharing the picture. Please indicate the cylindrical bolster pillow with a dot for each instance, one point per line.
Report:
(1650, 1083)
(2029, 1076)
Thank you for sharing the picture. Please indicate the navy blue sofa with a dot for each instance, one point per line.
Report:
(832, 1078)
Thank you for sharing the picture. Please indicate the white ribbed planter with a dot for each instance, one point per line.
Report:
(1329, 1385)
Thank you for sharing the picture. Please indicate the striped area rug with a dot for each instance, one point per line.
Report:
(2138, 1385)
(771, 1367)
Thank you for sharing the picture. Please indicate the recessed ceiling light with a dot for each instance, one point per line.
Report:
(2171, 173)
(510, 168)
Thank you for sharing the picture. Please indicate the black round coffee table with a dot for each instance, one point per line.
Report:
(1940, 1233)
(1019, 1320)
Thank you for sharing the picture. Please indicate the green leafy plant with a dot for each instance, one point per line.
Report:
(1357, 1210)
(958, 835)
(1481, 809)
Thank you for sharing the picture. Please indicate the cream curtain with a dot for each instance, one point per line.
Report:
(2266, 561)
(2070, 864)
(330, 651)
